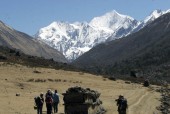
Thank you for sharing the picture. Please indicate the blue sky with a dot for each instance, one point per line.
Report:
(30, 15)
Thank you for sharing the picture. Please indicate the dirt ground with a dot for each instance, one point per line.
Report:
(28, 83)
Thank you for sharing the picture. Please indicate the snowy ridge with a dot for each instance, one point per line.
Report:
(155, 14)
(74, 39)
(112, 20)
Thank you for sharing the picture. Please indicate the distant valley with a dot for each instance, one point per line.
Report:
(146, 52)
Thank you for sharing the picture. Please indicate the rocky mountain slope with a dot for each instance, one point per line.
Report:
(74, 39)
(25, 43)
(145, 50)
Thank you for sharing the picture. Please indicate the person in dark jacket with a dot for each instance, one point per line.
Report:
(119, 100)
(122, 104)
(40, 102)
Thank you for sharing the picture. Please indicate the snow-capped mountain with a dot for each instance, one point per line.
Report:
(74, 39)
(153, 15)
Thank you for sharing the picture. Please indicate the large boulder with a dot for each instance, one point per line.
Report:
(78, 100)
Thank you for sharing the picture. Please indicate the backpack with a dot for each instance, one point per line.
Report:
(123, 105)
(37, 100)
(48, 99)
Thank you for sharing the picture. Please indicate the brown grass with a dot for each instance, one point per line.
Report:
(17, 79)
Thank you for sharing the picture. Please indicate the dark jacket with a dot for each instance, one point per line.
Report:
(39, 101)
(119, 104)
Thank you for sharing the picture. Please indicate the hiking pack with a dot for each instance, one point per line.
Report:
(48, 99)
(37, 100)
(123, 105)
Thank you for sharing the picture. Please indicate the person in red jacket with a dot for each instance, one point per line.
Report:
(49, 102)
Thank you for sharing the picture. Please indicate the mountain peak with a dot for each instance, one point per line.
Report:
(110, 20)
(112, 13)
(153, 15)
(115, 13)
(156, 13)
(73, 39)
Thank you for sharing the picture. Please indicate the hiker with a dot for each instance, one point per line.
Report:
(122, 104)
(119, 103)
(49, 101)
(39, 103)
(146, 83)
(55, 101)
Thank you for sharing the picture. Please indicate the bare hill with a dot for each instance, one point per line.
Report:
(25, 43)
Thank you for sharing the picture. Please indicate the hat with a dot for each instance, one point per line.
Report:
(121, 95)
(49, 90)
(41, 93)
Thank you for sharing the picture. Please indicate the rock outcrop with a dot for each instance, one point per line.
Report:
(78, 100)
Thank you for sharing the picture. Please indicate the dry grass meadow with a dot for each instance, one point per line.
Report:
(29, 82)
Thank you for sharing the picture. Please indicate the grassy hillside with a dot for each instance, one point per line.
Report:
(25, 43)
(146, 52)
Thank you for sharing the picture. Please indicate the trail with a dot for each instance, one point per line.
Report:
(137, 103)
